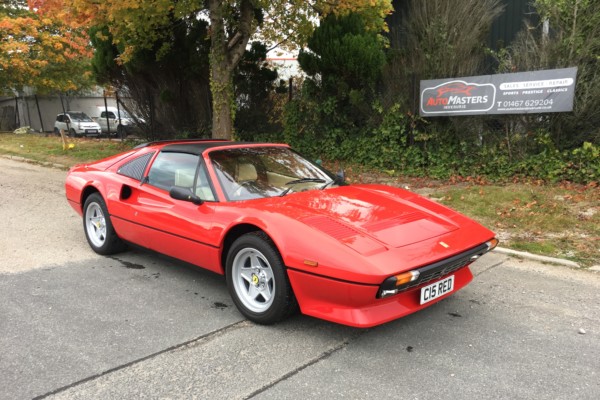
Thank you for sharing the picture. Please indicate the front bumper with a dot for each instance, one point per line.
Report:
(357, 304)
(88, 130)
(126, 129)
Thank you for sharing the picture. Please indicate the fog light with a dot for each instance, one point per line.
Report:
(386, 293)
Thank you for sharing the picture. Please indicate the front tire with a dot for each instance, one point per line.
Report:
(98, 228)
(257, 280)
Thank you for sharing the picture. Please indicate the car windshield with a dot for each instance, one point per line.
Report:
(79, 116)
(122, 113)
(257, 172)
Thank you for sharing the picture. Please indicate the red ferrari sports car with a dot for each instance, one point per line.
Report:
(285, 232)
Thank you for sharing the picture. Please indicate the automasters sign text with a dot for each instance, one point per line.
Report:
(519, 93)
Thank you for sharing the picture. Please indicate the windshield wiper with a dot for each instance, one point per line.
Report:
(331, 182)
(301, 180)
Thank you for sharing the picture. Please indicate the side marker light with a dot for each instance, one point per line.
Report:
(492, 243)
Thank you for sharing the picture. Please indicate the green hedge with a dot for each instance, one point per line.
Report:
(396, 145)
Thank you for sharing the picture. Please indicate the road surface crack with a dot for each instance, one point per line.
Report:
(326, 354)
(189, 343)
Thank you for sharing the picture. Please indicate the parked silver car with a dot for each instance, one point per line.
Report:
(76, 123)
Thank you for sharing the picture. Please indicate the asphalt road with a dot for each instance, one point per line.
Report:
(75, 325)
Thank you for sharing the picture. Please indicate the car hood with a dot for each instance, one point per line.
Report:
(391, 230)
(367, 217)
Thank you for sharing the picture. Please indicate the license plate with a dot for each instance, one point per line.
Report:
(437, 289)
(91, 131)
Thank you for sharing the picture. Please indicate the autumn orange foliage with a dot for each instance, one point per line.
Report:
(40, 46)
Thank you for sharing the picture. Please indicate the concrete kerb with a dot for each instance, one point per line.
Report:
(535, 257)
(30, 161)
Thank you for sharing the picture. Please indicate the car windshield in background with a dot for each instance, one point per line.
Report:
(257, 172)
(123, 114)
(81, 117)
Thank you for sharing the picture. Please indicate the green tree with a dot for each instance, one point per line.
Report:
(344, 61)
(439, 39)
(40, 49)
(256, 94)
(568, 36)
(172, 93)
(133, 25)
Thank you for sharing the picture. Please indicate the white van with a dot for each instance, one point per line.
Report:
(109, 117)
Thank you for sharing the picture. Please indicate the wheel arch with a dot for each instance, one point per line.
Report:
(234, 233)
(86, 192)
(107, 242)
(284, 302)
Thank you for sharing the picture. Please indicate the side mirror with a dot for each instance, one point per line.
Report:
(185, 194)
(340, 177)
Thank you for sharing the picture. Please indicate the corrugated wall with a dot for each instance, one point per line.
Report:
(504, 28)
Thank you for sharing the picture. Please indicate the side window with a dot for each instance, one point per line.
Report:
(173, 169)
(203, 188)
(135, 168)
(111, 115)
(180, 169)
(103, 114)
(60, 118)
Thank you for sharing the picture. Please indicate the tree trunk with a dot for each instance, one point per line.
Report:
(222, 114)
(225, 54)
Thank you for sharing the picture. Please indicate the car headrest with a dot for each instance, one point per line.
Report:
(247, 172)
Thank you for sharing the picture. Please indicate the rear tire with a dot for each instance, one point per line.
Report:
(98, 228)
(257, 280)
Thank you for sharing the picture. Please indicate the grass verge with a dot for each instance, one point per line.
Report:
(560, 220)
(557, 220)
(50, 148)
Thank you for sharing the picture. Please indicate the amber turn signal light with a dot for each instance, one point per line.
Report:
(492, 243)
(406, 277)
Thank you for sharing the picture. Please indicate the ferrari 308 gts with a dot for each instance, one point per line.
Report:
(285, 232)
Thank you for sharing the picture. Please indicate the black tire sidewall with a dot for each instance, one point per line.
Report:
(284, 302)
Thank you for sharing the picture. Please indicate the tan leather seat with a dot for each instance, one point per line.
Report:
(246, 172)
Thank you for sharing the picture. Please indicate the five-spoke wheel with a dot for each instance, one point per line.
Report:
(257, 279)
(95, 224)
(98, 229)
(253, 279)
